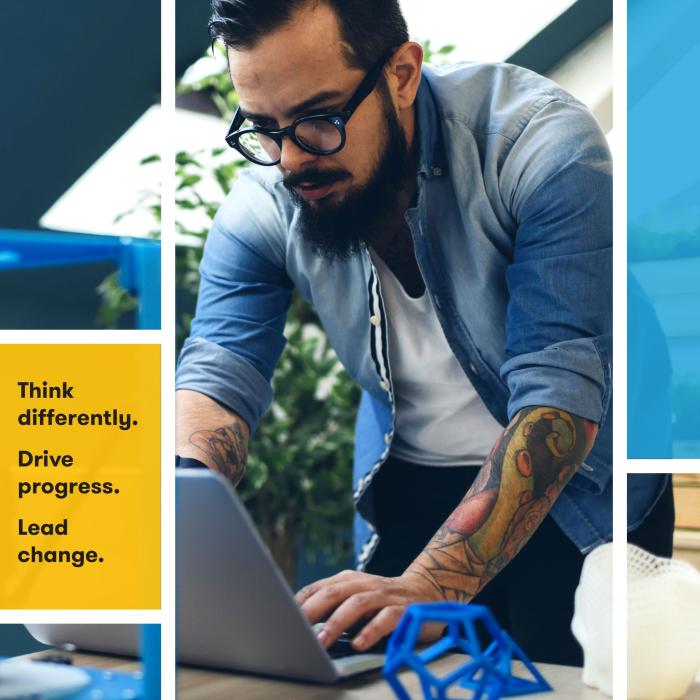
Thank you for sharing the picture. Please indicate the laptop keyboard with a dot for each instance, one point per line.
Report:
(343, 647)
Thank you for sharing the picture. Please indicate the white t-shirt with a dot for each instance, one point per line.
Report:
(440, 419)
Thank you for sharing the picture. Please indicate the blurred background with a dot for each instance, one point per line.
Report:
(81, 84)
(663, 186)
(15, 641)
(298, 482)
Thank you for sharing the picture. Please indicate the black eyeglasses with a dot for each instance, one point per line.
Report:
(321, 134)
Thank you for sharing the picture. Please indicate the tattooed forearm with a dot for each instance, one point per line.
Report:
(226, 447)
(525, 472)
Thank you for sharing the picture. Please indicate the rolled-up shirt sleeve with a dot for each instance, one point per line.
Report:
(558, 328)
(237, 334)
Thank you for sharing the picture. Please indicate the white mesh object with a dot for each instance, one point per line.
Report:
(663, 626)
(592, 623)
(30, 679)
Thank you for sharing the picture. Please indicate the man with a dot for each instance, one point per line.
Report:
(452, 228)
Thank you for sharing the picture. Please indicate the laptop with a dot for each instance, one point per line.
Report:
(235, 611)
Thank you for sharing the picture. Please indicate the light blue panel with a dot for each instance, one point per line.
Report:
(664, 228)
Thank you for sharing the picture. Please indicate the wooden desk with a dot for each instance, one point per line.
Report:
(108, 663)
(194, 684)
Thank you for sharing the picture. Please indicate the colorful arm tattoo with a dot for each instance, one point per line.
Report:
(226, 448)
(527, 469)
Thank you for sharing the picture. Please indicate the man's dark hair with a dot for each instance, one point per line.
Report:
(368, 27)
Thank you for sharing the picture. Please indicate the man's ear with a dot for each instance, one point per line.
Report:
(404, 73)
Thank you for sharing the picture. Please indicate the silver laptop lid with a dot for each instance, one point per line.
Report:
(234, 608)
(122, 640)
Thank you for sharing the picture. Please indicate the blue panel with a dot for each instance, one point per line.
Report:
(138, 261)
(664, 229)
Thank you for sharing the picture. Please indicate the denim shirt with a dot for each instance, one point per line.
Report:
(512, 232)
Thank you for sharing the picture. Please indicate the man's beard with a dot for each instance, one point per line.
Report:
(335, 231)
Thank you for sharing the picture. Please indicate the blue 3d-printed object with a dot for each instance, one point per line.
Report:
(487, 671)
(104, 685)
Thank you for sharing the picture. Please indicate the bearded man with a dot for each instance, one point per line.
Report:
(452, 228)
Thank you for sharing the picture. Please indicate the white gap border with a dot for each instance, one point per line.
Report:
(663, 466)
(79, 337)
(81, 617)
(620, 349)
(167, 617)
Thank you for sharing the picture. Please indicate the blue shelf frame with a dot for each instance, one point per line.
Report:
(138, 261)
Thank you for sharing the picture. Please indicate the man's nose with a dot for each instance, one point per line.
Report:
(293, 158)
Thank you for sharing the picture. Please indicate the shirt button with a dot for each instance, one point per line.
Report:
(437, 172)
(384, 384)
(387, 438)
(374, 320)
(472, 367)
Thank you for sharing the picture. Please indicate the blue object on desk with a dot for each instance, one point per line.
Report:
(112, 685)
(138, 260)
(108, 685)
(150, 657)
(487, 672)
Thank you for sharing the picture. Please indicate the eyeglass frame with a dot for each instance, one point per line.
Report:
(337, 119)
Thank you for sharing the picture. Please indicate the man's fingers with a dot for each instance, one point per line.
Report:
(303, 594)
(372, 604)
(356, 607)
(325, 600)
(306, 592)
(382, 624)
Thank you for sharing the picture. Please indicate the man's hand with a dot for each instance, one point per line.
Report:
(350, 597)
(529, 466)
